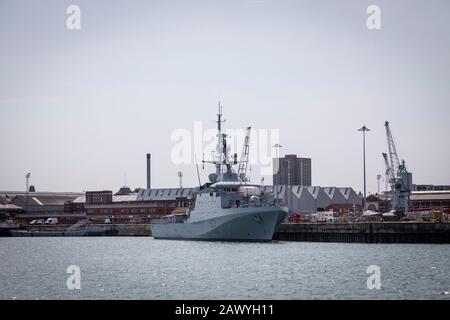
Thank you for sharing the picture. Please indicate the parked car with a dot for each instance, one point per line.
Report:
(51, 221)
(33, 222)
(108, 221)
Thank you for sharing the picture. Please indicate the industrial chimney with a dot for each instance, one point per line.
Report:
(148, 170)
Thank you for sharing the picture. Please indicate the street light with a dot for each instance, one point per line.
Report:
(27, 178)
(180, 177)
(364, 129)
(378, 183)
(277, 147)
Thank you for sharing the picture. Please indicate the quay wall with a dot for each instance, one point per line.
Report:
(130, 230)
(366, 232)
(97, 229)
(361, 232)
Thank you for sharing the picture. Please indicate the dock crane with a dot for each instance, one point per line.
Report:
(243, 163)
(390, 176)
(400, 180)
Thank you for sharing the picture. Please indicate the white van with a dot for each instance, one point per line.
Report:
(51, 221)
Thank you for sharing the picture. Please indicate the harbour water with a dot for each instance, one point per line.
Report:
(143, 268)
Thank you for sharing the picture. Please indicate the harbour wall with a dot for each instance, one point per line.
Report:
(366, 232)
(130, 230)
(97, 230)
(361, 232)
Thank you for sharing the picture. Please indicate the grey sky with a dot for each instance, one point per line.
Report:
(78, 109)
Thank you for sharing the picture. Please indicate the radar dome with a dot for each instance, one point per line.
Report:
(212, 177)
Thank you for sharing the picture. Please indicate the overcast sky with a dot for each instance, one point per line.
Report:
(79, 109)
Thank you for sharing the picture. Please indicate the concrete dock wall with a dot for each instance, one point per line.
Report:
(370, 232)
(98, 230)
(363, 232)
(130, 230)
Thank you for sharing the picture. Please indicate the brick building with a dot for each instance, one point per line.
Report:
(141, 207)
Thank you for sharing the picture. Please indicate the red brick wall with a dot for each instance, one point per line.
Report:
(98, 197)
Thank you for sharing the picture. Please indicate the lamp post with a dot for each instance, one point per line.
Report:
(277, 147)
(364, 129)
(27, 178)
(378, 183)
(180, 177)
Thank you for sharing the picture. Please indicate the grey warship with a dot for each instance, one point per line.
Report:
(228, 208)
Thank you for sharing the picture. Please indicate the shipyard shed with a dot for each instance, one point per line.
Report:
(301, 200)
(439, 200)
(306, 199)
(42, 202)
(165, 194)
(420, 200)
(334, 194)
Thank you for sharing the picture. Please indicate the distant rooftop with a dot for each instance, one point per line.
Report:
(292, 156)
(43, 193)
(123, 191)
(430, 195)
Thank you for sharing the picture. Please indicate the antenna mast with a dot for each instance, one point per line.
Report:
(198, 172)
(221, 157)
(221, 148)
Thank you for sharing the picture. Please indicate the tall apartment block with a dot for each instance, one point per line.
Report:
(291, 170)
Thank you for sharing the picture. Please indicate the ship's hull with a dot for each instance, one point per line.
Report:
(243, 224)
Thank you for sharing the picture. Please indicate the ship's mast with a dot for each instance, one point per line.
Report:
(220, 152)
(221, 157)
